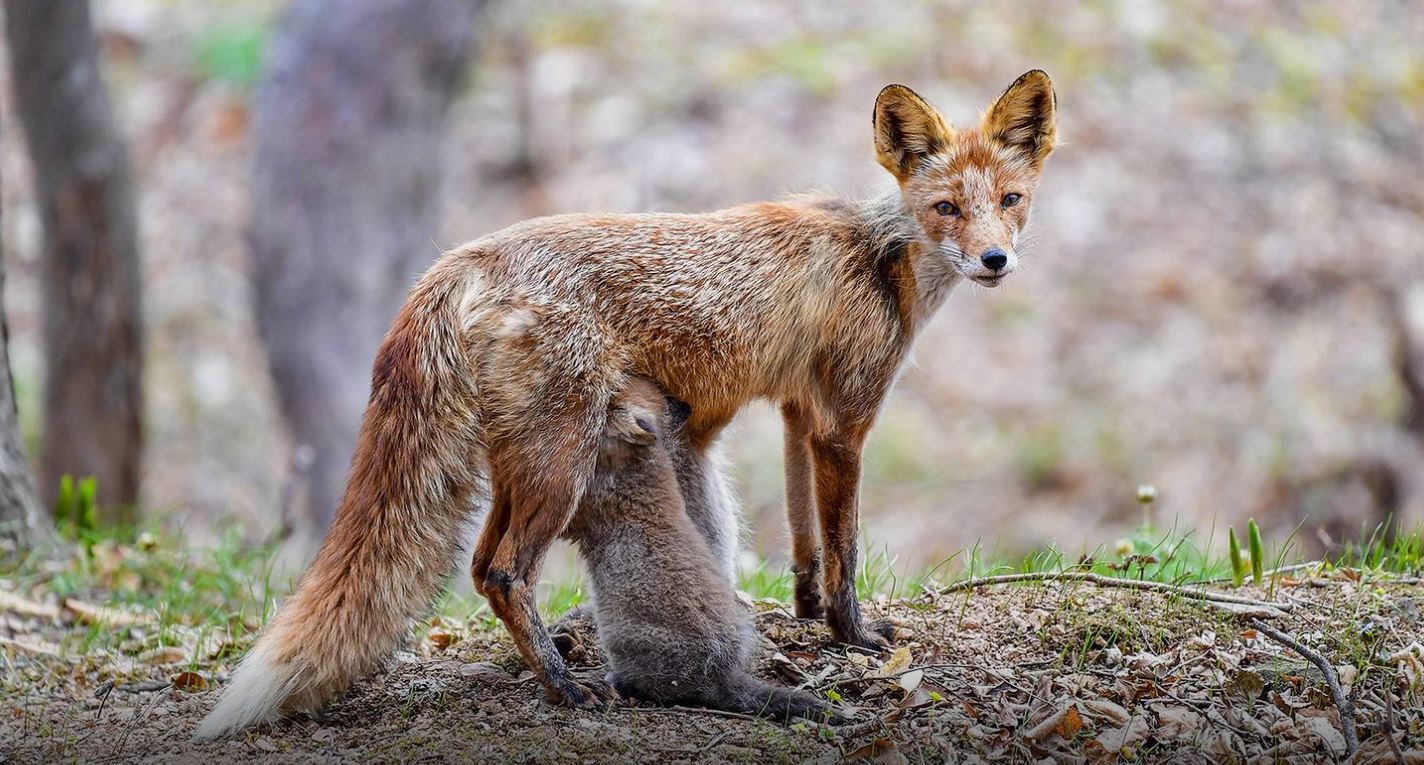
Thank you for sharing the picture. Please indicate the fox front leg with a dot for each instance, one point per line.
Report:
(836, 460)
(801, 514)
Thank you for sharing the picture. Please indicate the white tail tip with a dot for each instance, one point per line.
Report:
(256, 694)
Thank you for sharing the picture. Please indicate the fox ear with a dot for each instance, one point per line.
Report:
(1024, 117)
(633, 424)
(907, 129)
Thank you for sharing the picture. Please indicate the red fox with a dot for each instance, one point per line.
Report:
(667, 618)
(811, 303)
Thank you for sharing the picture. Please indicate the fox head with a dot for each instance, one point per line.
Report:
(640, 416)
(969, 190)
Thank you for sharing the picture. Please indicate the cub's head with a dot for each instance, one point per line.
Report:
(640, 416)
(969, 190)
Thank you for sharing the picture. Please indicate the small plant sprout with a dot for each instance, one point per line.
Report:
(1258, 552)
(1146, 496)
(1233, 551)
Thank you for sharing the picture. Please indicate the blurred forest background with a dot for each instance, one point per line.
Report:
(1223, 297)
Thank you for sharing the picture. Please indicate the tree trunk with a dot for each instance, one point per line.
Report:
(21, 522)
(348, 127)
(93, 335)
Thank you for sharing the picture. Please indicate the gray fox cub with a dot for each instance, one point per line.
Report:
(666, 616)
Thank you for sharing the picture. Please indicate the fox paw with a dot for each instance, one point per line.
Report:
(810, 606)
(583, 693)
(875, 635)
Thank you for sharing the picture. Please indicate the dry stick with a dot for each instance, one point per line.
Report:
(1388, 726)
(1274, 572)
(1342, 702)
(1107, 581)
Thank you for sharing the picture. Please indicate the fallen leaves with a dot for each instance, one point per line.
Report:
(190, 682)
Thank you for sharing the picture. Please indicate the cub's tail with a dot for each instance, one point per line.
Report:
(399, 524)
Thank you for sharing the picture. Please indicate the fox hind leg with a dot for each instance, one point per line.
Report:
(541, 484)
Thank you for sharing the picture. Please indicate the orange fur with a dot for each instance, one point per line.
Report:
(811, 302)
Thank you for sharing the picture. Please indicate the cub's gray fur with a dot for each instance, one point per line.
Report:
(665, 612)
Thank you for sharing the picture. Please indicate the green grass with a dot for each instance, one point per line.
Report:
(228, 589)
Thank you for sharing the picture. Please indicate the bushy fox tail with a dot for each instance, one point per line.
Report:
(399, 525)
(748, 695)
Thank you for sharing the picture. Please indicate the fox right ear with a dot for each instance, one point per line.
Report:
(907, 129)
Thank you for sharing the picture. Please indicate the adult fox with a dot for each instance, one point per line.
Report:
(812, 303)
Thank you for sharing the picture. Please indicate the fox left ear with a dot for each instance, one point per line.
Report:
(907, 129)
(1024, 117)
(634, 425)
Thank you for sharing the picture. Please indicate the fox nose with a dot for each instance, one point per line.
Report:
(994, 259)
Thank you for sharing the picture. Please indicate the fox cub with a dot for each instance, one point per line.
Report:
(666, 616)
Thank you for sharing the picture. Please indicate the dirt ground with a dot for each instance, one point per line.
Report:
(1044, 672)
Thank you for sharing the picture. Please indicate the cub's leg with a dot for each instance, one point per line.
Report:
(711, 505)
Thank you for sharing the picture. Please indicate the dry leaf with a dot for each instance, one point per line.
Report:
(911, 680)
(91, 613)
(189, 681)
(1071, 724)
(1322, 727)
(38, 648)
(916, 699)
(13, 603)
(440, 638)
(1176, 722)
(161, 656)
(899, 660)
(881, 750)
(1125, 738)
(1106, 710)
(1048, 725)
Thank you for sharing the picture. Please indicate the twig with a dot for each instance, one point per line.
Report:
(1388, 726)
(1107, 581)
(860, 728)
(1342, 702)
(153, 685)
(134, 721)
(1269, 573)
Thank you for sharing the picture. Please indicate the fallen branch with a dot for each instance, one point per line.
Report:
(1107, 581)
(1274, 572)
(1342, 702)
(1387, 726)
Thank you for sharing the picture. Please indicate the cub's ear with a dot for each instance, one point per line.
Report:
(907, 129)
(633, 424)
(1023, 118)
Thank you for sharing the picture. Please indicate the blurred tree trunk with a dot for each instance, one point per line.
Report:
(21, 523)
(348, 128)
(93, 335)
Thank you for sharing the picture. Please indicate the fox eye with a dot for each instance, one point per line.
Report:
(945, 208)
(1010, 200)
